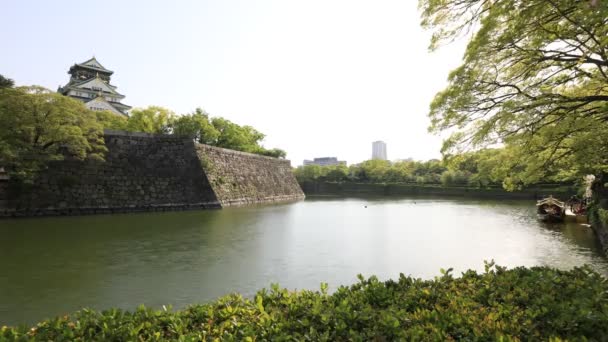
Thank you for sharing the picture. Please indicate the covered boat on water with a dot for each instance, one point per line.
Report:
(551, 209)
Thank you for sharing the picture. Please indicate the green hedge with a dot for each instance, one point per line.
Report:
(522, 303)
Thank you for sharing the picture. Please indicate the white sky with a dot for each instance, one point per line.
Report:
(319, 78)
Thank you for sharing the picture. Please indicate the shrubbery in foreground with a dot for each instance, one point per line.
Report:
(499, 304)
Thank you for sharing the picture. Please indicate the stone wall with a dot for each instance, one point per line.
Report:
(598, 212)
(144, 172)
(240, 178)
(601, 231)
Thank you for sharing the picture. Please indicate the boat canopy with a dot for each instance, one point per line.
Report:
(550, 201)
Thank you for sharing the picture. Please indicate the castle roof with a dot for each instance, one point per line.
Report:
(94, 65)
(95, 82)
(73, 83)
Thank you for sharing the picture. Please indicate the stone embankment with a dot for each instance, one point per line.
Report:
(598, 218)
(243, 178)
(144, 172)
(601, 231)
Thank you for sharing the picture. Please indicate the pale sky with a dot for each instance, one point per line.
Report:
(319, 78)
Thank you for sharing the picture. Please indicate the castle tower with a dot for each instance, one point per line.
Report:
(90, 83)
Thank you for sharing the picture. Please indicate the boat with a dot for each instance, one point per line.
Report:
(576, 210)
(550, 209)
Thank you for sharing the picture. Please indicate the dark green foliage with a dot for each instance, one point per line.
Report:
(196, 125)
(6, 82)
(536, 303)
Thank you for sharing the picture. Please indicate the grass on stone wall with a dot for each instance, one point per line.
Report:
(206, 163)
(603, 216)
(536, 303)
(598, 216)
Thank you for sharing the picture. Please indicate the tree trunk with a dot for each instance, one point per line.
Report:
(600, 192)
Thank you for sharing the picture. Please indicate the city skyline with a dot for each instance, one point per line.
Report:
(324, 161)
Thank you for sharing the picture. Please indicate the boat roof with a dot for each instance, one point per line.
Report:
(550, 200)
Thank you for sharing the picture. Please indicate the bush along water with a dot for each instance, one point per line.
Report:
(537, 303)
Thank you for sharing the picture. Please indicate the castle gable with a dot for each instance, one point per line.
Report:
(96, 84)
(93, 63)
(100, 103)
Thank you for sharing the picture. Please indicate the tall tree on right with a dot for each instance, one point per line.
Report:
(534, 77)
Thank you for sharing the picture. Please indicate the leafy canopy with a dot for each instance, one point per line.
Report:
(110, 120)
(6, 82)
(198, 126)
(39, 125)
(534, 77)
(222, 133)
(152, 119)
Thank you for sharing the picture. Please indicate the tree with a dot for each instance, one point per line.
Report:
(152, 119)
(197, 126)
(337, 173)
(308, 173)
(451, 177)
(375, 170)
(357, 174)
(39, 125)
(110, 120)
(483, 167)
(233, 136)
(534, 77)
(400, 172)
(6, 82)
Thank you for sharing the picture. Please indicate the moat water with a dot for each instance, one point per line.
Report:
(55, 266)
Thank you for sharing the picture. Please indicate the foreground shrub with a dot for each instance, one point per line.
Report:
(499, 304)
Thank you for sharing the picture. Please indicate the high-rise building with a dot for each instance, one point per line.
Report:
(325, 161)
(379, 150)
(90, 83)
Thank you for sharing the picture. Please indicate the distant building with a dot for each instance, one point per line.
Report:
(325, 161)
(379, 150)
(90, 83)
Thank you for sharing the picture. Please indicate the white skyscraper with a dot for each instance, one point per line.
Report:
(379, 150)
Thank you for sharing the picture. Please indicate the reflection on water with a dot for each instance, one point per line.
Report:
(54, 266)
